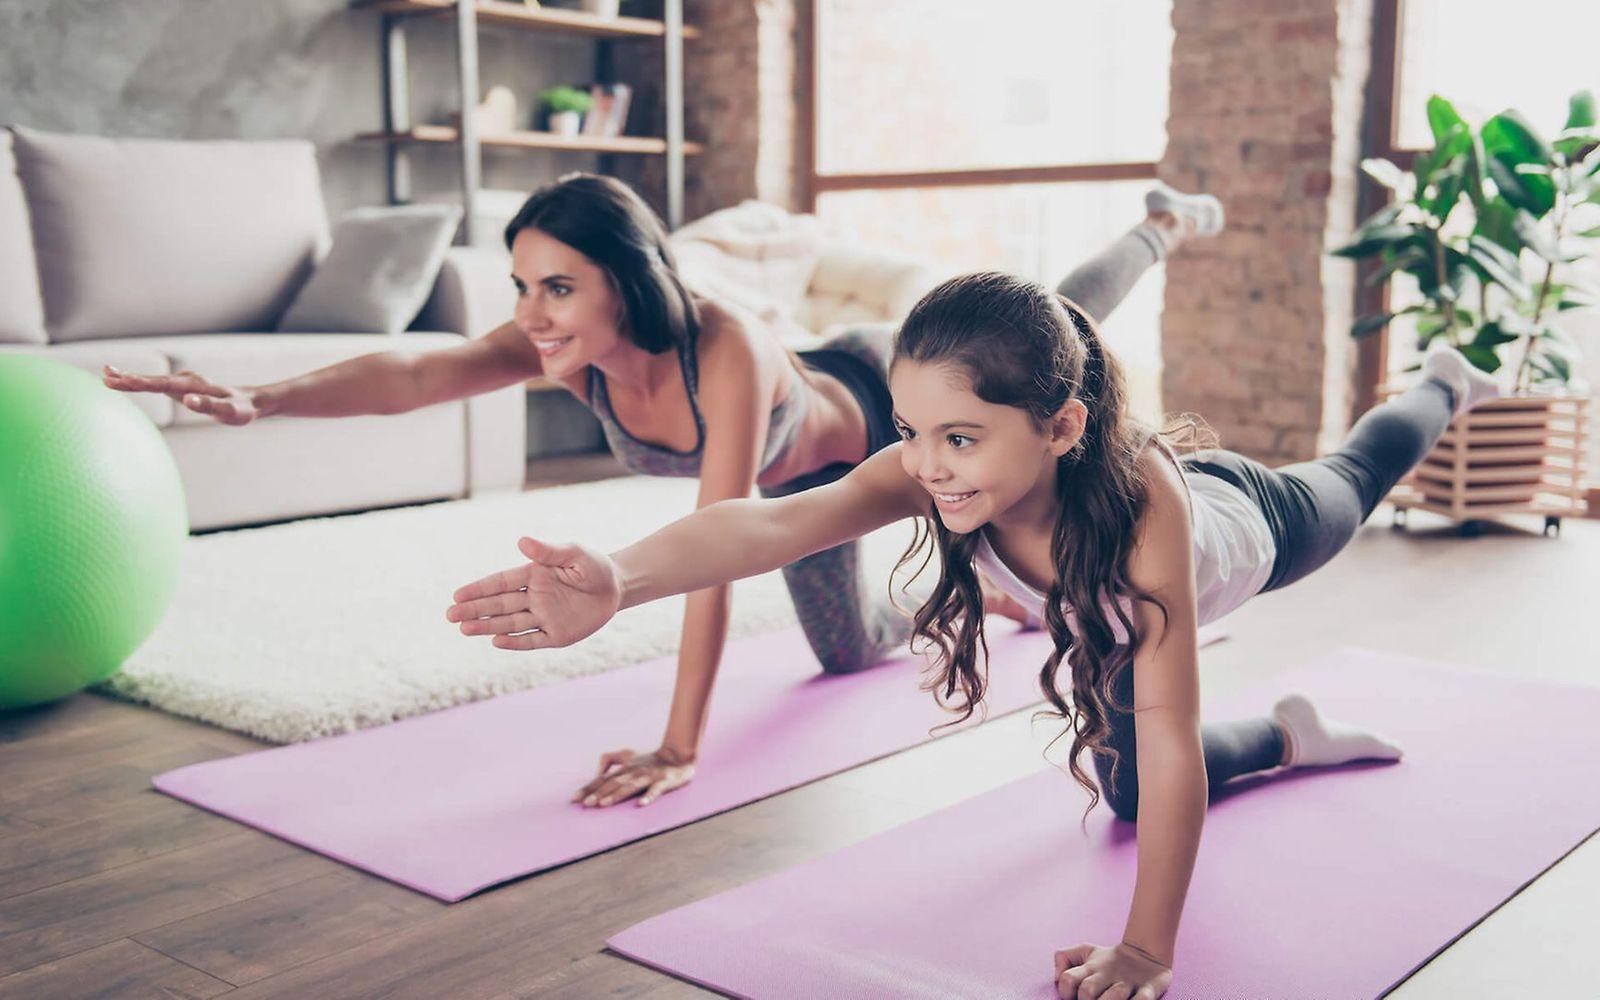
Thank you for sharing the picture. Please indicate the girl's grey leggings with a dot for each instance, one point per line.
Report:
(846, 614)
(1313, 509)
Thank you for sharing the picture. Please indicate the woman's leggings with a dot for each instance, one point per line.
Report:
(1313, 509)
(846, 615)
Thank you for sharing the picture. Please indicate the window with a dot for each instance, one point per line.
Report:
(1016, 135)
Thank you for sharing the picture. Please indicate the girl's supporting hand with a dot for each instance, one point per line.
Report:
(625, 774)
(222, 403)
(1090, 972)
(563, 594)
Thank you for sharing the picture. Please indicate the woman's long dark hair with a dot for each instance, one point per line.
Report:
(1021, 345)
(603, 219)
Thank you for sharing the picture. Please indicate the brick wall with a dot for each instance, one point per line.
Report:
(739, 100)
(1266, 114)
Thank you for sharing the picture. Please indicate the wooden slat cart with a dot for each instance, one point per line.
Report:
(1514, 455)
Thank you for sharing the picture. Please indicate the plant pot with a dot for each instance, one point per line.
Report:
(1522, 454)
(566, 123)
(601, 8)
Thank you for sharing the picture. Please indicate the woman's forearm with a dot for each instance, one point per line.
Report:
(382, 383)
(1172, 807)
(705, 631)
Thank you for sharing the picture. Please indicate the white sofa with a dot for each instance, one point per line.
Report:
(161, 256)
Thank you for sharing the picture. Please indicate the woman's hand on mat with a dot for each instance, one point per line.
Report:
(1090, 972)
(562, 594)
(223, 403)
(625, 774)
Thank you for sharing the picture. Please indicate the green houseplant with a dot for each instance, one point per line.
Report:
(566, 107)
(1464, 220)
(1484, 225)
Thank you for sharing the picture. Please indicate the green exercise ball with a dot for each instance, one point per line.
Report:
(92, 527)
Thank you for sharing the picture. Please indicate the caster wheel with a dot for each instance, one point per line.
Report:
(1400, 521)
(1552, 526)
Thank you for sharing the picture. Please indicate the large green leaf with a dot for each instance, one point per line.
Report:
(1535, 238)
(1508, 136)
(1496, 264)
(1368, 325)
(1384, 172)
(1581, 110)
(1490, 335)
(1483, 358)
(1494, 223)
(1370, 241)
(1443, 119)
(1529, 193)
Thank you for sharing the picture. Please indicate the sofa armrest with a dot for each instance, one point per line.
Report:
(472, 295)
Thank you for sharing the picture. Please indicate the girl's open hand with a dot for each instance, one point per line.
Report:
(1089, 972)
(222, 403)
(563, 594)
(625, 774)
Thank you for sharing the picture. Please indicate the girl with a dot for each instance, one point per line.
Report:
(683, 386)
(1016, 452)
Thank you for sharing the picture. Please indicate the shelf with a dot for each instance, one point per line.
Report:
(517, 15)
(445, 134)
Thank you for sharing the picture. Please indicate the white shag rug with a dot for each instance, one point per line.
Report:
(324, 626)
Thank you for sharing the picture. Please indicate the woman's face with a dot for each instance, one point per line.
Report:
(566, 306)
(977, 459)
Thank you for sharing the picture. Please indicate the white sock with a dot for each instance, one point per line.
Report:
(1315, 741)
(1470, 384)
(1204, 209)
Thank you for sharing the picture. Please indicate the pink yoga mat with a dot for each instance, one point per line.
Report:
(1326, 883)
(469, 797)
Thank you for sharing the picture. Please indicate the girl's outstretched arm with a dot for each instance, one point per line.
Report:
(1171, 764)
(567, 592)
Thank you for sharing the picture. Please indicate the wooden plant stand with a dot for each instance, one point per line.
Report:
(1515, 455)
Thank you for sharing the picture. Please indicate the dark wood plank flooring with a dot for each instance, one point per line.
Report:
(108, 888)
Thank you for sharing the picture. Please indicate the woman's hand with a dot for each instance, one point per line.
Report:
(1089, 972)
(563, 594)
(625, 774)
(222, 403)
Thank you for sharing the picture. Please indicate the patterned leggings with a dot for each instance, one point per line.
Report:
(846, 616)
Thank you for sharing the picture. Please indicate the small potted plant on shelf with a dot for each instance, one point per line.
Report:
(565, 107)
(1486, 225)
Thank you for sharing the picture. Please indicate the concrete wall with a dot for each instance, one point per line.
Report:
(252, 69)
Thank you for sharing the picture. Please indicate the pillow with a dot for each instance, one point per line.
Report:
(143, 237)
(21, 309)
(379, 272)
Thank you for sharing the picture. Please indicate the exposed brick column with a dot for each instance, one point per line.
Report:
(739, 100)
(1266, 105)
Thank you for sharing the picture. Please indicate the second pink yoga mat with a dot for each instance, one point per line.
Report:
(1322, 883)
(466, 798)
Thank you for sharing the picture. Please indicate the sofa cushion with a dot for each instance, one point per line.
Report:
(379, 272)
(136, 237)
(93, 356)
(259, 358)
(21, 310)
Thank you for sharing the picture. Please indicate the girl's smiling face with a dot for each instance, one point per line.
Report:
(979, 461)
(566, 305)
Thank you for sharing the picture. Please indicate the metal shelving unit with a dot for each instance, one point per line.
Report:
(400, 134)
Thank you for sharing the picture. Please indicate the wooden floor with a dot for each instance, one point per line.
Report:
(110, 889)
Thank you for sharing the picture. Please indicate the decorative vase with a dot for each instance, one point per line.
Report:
(602, 8)
(566, 123)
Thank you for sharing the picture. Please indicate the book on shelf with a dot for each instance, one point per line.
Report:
(608, 110)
